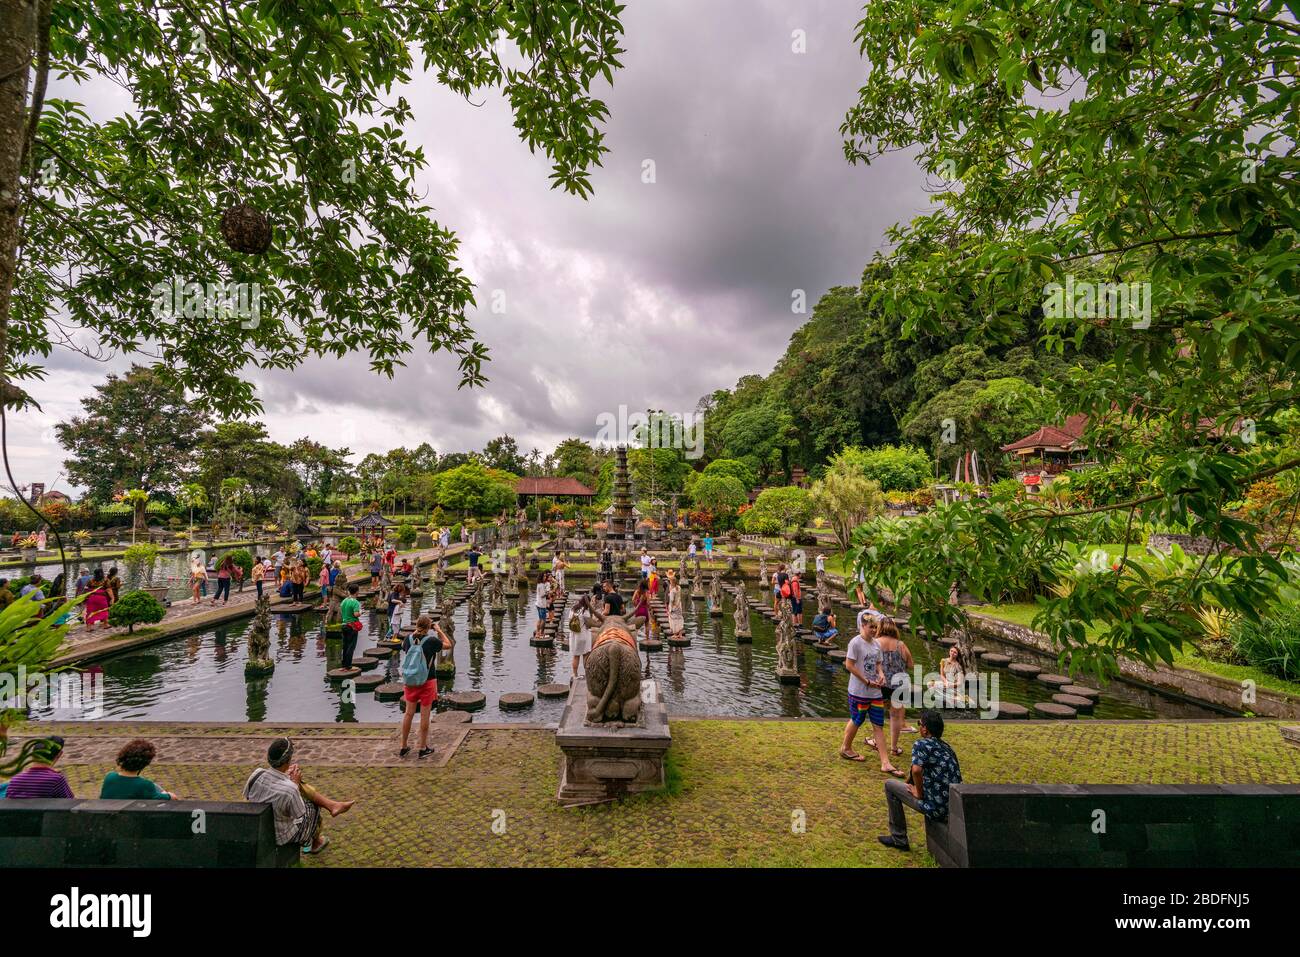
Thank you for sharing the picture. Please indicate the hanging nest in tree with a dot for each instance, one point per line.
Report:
(246, 229)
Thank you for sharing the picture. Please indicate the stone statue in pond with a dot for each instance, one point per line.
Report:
(338, 592)
(613, 675)
(763, 582)
(742, 613)
(259, 662)
(787, 653)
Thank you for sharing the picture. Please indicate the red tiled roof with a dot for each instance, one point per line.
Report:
(1065, 436)
(552, 486)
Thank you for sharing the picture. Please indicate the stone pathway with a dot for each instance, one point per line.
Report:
(248, 750)
(184, 615)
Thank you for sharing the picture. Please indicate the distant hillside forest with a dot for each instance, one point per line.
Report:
(850, 377)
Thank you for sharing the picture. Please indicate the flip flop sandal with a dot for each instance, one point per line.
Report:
(851, 756)
(897, 752)
(323, 844)
(894, 772)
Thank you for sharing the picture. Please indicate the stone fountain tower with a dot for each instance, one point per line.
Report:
(622, 523)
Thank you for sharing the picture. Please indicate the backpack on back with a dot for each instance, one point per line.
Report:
(415, 667)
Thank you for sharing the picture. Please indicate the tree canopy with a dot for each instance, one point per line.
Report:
(262, 152)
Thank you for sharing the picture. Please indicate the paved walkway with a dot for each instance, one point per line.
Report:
(184, 615)
(741, 793)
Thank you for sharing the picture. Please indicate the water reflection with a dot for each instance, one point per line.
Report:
(201, 677)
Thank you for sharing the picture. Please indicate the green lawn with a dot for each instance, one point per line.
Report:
(743, 793)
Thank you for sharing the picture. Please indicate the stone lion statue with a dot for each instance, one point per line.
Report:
(613, 675)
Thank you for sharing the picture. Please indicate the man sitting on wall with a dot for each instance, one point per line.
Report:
(295, 804)
(934, 768)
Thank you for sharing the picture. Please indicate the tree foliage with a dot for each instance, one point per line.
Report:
(288, 108)
(1142, 143)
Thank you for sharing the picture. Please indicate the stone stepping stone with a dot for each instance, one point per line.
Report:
(650, 644)
(546, 641)
(390, 691)
(378, 652)
(947, 641)
(1023, 669)
(979, 651)
(553, 691)
(452, 717)
(995, 660)
(365, 663)
(824, 647)
(1082, 691)
(1055, 681)
(370, 682)
(516, 700)
(836, 654)
(1009, 710)
(465, 700)
(1050, 709)
(444, 669)
(342, 674)
(1077, 702)
(682, 642)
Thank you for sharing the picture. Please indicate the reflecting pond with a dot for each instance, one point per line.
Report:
(200, 677)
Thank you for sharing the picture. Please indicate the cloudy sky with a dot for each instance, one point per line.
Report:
(648, 295)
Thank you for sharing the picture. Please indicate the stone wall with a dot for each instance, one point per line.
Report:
(1192, 544)
(1139, 825)
(77, 833)
(1222, 692)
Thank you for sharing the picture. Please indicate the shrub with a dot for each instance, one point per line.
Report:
(314, 566)
(1272, 644)
(142, 554)
(406, 534)
(136, 608)
(898, 468)
(349, 545)
(244, 559)
(454, 537)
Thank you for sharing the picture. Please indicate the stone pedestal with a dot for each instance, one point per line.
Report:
(603, 762)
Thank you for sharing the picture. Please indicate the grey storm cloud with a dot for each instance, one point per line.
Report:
(647, 294)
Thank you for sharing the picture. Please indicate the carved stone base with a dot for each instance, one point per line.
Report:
(604, 762)
(787, 677)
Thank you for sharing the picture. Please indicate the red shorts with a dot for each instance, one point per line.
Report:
(424, 695)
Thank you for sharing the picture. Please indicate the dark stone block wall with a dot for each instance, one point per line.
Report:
(1144, 825)
(77, 833)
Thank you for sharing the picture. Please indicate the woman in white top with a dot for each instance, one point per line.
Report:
(580, 638)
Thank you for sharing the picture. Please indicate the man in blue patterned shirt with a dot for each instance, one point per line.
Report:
(934, 768)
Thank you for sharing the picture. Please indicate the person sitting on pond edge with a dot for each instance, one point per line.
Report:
(934, 769)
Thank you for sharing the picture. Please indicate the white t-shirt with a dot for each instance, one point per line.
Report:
(866, 656)
(543, 593)
(691, 549)
(645, 564)
(821, 564)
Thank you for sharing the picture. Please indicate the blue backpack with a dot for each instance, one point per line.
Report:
(415, 667)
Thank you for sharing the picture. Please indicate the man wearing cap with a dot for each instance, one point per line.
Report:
(295, 804)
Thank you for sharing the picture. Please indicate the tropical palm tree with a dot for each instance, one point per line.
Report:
(192, 495)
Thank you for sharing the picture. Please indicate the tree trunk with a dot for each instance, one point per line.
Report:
(18, 36)
(137, 509)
